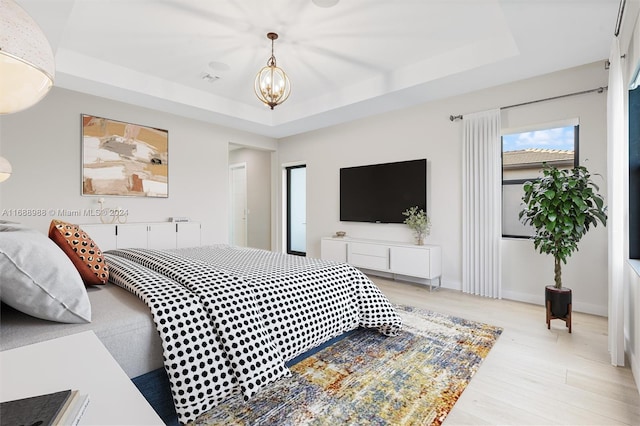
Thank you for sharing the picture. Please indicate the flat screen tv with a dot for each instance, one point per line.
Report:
(379, 193)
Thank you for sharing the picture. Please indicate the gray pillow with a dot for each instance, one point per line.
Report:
(37, 278)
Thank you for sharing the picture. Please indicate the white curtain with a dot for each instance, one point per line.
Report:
(481, 204)
(617, 190)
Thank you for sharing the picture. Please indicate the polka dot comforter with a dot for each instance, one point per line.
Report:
(229, 318)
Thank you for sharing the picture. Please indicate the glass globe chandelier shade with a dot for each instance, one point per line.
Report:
(272, 85)
(5, 169)
(27, 66)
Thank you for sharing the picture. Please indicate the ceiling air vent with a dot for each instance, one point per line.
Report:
(210, 78)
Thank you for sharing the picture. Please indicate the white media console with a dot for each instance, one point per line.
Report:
(410, 260)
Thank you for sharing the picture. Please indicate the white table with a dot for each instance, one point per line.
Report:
(81, 362)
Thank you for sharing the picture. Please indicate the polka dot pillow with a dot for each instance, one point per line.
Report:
(82, 250)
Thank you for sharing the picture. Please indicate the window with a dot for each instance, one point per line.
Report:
(523, 153)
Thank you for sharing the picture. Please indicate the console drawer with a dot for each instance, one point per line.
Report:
(368, 249)
(369, 262)
(370, 256)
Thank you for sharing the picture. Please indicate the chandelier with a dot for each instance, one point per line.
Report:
(272, 84)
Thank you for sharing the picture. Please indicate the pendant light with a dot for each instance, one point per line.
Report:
(272, 84)
(27, 66)
(5, 169)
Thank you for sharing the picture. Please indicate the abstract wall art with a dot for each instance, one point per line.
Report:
(124, 159)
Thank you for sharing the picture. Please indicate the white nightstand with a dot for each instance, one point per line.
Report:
(81, 362)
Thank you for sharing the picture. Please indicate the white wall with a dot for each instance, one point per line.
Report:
(258, 194)
(43, 145)
(426, 131)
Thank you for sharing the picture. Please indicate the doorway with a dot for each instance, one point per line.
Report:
(296, 186)
(238, 204)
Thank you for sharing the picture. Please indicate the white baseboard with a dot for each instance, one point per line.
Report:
(452, 285)
(535, 299)
(538, 299)
(633, 361)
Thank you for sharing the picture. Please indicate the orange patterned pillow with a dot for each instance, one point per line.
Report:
(82, 250)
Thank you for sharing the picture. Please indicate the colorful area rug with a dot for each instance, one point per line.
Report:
(370, 379)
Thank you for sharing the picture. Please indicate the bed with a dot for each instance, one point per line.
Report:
(230, 318)
(220, 320)
(119, 319)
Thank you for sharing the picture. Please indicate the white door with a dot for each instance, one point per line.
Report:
(238, 203)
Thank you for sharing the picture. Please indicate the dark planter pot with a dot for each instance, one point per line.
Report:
(558, 304)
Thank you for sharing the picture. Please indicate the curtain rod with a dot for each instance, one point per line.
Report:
(619, 18)
(598, 89)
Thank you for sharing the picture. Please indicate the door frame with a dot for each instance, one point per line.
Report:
(232, 167)
(286, 207)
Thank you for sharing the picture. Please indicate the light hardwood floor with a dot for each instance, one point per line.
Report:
(533, 376)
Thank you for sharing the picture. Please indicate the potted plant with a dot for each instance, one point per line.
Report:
(418, 220)
(561, 206)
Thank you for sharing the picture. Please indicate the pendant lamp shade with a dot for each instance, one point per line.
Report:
(5, 169)
(272, 85)
(27, 66)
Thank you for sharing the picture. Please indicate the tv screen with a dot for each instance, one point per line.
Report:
(381, 192)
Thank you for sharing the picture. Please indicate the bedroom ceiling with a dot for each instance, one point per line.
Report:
(358, 58)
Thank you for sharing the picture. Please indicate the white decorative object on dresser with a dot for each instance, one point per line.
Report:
(155, 235)
(410, 260)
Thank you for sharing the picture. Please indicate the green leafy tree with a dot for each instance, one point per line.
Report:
(562, 206)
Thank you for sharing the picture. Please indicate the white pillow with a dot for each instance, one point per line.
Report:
(37, 278)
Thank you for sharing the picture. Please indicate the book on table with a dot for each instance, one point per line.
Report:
(58, 408)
